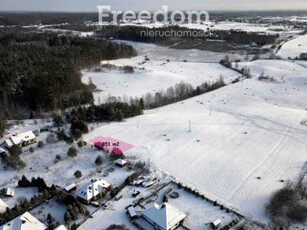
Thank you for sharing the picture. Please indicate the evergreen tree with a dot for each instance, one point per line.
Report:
(72, 152)
(78, 174)
(99, 160)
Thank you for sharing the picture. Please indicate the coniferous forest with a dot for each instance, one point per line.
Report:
(40, 72)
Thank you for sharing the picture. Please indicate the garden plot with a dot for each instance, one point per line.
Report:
(200, 213)
(57, 211)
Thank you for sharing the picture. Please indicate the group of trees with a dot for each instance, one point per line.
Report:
(243, 37)
(78, 128)
(41, 71)
(135, 33)
(12, 158)
(289, 204)
(46, 194)
(114, 111)
(74, 207)
(179, 92)
(35, 182)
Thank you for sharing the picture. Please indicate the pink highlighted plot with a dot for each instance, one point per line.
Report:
(111, 144)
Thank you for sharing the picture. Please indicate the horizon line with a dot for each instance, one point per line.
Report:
(59, 11)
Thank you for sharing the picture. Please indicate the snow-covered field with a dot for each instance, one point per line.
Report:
(199, 212)
(158, 73)
(294, 47)
(240, 132)
(228, 25)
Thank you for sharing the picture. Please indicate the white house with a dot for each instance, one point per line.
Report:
(164, 217)
(3, 206)
(24, 222)
(21, 139)
(93, 190)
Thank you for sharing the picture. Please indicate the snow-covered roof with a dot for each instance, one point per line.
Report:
(20, 138)
(92, 189)
(120, 162)
(61, 227)
(166, 215)
(216, 222)
(24, 222)
(71, 186)
(2, 150)
(8, 192)
(131, 211)
(9, 143)
(3, 206)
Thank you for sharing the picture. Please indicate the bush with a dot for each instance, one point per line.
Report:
(72, 152)
(13, 159)
(58, 121)
(31, 149)
(51, 139)
(40, 144)
(77, 134)
(99, 160)
(78, 125)
(80, 144)
(78, 174)
(15, 150)
(289, 203)
(69, 140)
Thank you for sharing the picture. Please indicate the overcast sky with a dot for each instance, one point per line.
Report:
(90, 5)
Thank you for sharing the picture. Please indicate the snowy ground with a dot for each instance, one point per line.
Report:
(158, 73)
(294, 47)
(117, 213)
(200, 213)
(227, 25)
(239, 132)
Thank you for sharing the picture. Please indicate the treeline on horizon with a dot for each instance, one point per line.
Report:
(40, 72)
(136, 33)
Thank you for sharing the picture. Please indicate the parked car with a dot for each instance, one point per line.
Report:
(135, 193)
(107, 205)
(111, 169)
(118, 197)
(95, 204)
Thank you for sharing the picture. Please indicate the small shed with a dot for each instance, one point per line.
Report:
(131, 212)
(215, 224)
(120, 163)
(3, 206)
(71, 187)
(8, 192)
